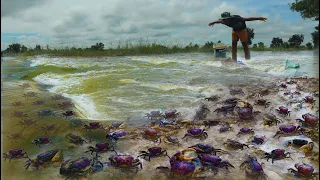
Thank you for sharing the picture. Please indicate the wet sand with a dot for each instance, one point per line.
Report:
(135, 141)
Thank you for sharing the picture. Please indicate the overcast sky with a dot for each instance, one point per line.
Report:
(82, 23)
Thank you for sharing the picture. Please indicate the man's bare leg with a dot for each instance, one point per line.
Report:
(234, 50)
(246, 50)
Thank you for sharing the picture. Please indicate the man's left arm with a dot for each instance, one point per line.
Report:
(255, 19)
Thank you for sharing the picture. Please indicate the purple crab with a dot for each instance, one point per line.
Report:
(154, 115)
(15, 154)
(125, 161)
(154, 152)
(225, 127)
(172, 140)
(171, 114)
(80, 167)
(213, 162)
(42, 141)
(309, 99)
(258, 139)
(196, 133)
(309, 120)
(93, 126)
(210, 122)
(46, 157)
(283, 85)
(262, 102)
(115, 135)
(152, 133)
(288, 129)
(283, 110)
(252, 167)
(233, 101)
(226, 109)
(245, 113)
(68, 114)
(245, 130)
(206, 149)
(101, 148)
(303, 169)
(277, 154)
(179, 168)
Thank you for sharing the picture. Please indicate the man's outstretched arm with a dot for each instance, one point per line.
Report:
(255, 19)
(214, 22)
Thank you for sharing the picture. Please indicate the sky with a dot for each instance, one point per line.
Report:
(82, 23)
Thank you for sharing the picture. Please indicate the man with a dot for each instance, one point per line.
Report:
(239, 31)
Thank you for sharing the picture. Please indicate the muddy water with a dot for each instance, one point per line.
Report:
(136, 142)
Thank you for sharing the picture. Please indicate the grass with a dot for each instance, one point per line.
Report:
(131, 49)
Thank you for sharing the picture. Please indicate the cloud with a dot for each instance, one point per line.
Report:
(83, 23)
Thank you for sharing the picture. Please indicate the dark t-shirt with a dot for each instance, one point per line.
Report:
(237, 23)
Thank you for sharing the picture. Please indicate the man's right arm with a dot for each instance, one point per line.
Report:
(215, 22)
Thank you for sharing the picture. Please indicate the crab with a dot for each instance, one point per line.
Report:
(225, 109)
(309, 99)
(15, 154)
(171, 114)
(27, 122)
(172, 140)
(42, 141)
(236, 91)
(206, 149)
(277, 154)
(235, 144)
(212, 98)
(46, 157)
(233, 101)
(101, 148)
(25, 85)
(188, 155)
(125, 161)
(80, 167)
(68, 114)
(201, 113)
(257, 139)
(117, 125)
(165, 123)
(93, 126)
(76, 123)
(245, 130)
(283, 110)
(225, 127)
(153, 152)
(45, 113)
(252, 167)
(30, 95)
(296, 142)
(50, 127)
(17, 104)
(75, 139)
(15, 136)
(283, 85)
(309, 120)
(179, 168)
(66, 104)
(245, 113)
(303, 169)
(288, 129)
(154, 115)
(151, 133)
(115, 135)
(19, 114)
(271, 118)
(196, 133)
(57, 97)
(262, 102)
(213, 162)
(210, 122)
(38, 103)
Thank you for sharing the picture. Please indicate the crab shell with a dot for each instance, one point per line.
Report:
(119, 133)
(150, 132)
(75, 166)
(283, 109)
(44, 140)
(195, 131)
(94, 124)
(16, 152)
(212, 159)
(309, 99)
(182, 168)
(288, 128)
(53, 155)
(255, 165)
(102, 146)
(171, 139)
(283, 85)
(202, 148)
(259, 139)
(155, 150)
(122, 160)
(271, 116)
(245, 130)
(245, 113)
(278, 152)
(310, 119)
(304, 168)
(171, 113)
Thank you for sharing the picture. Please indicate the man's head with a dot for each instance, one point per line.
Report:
(225, 17)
